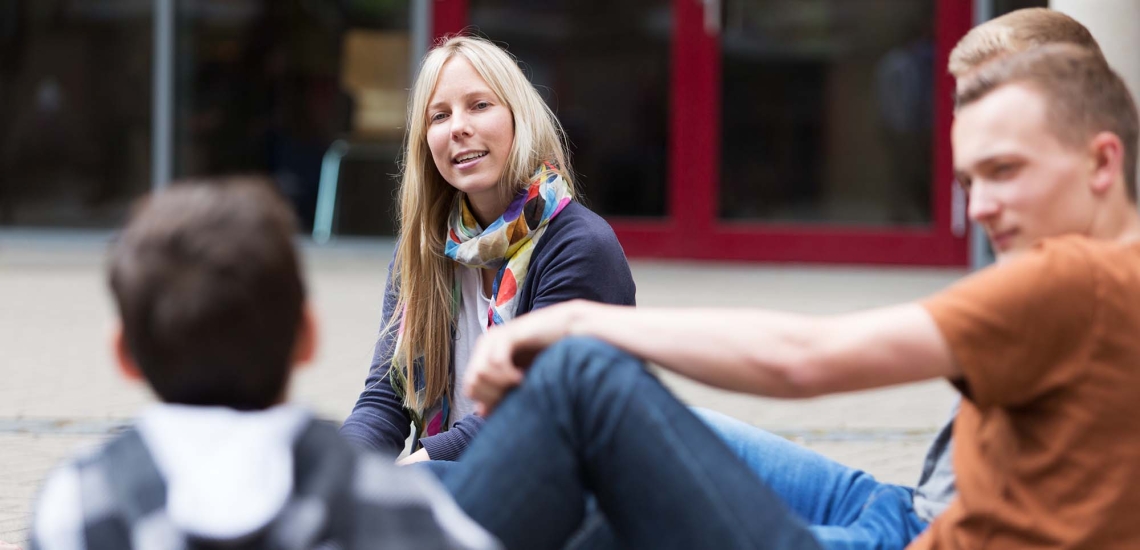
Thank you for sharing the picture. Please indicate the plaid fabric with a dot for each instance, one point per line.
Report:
(342, 500)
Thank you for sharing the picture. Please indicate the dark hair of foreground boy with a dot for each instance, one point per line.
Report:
(210, 293)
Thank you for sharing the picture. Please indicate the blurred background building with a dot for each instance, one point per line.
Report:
(766, 130)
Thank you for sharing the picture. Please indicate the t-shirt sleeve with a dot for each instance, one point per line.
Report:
(1017, 330)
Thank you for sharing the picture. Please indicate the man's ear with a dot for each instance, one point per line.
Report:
(305, 345)
(1108, 162)
(123, 358)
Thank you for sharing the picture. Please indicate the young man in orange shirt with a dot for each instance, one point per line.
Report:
(1042, 347)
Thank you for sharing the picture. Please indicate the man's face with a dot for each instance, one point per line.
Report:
(1024, 184)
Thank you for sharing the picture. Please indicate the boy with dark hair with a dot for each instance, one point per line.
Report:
(213, 317)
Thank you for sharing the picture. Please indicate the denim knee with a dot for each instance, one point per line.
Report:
(578, 360)
(585, 374)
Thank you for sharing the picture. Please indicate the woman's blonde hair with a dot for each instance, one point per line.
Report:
(424, 312)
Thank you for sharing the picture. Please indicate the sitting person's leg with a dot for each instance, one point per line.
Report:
(846, 508)
(590, 420)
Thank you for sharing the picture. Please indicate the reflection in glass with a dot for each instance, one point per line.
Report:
(827, 111)
(603, 67)
(75, 96)
(268, 85)
(1002, 7)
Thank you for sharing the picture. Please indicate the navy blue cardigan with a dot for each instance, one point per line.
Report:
(578, 257)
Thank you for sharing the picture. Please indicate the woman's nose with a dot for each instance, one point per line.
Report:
(460, 126)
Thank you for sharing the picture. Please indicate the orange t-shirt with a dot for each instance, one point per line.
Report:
(1047, 442)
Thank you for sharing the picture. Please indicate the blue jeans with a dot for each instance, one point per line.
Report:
(846, 508)
(589, 420)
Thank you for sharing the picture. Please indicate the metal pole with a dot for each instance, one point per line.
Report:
(326, 191)
(162, 128)
(981, 254)
(983, 11)
(421, 35)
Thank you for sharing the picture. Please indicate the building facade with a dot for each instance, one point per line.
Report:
(759, 130)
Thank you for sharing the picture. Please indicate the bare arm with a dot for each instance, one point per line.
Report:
(754, 351)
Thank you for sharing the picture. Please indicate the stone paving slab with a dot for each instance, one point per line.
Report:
(26, 460)
(60, 391)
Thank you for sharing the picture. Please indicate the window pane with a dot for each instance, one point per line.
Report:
(1002, 7)
(603, 67)
(827, 111)
(75, 99)
(268, 85)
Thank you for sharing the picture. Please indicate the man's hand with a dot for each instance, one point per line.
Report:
(504, 352)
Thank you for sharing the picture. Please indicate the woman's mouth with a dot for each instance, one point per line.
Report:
(468, 159)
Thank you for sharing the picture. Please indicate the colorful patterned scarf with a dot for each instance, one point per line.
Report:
(508, 242)
(506, 245)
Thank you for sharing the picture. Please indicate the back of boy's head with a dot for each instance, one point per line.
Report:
(210, 293)
(1016, 32)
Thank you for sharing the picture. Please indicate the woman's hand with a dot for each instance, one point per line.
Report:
(504, 352)
(418, 456)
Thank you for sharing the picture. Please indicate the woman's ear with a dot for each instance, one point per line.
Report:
(1108, 162)
(305, 345)
(123, 358)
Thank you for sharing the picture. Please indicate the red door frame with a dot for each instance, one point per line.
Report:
(692, 230)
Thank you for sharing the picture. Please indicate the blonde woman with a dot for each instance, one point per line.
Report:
(489, 230)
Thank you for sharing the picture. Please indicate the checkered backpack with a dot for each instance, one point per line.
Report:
(342, 500)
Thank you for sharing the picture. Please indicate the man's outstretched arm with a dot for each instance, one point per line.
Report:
(753, 351)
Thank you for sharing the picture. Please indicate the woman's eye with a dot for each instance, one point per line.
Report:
(438, 117)
(482, 105)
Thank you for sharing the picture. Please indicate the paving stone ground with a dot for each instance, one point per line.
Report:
(59, 392)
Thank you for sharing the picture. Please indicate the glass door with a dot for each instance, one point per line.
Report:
(833, 125)
(795, 130)
(75, 115)
(278, 87)
(603, 67)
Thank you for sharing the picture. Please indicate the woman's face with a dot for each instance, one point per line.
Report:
(470, 132)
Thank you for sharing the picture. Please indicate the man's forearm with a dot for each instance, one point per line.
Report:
(754, 351)
(761, 352)
(774, 353)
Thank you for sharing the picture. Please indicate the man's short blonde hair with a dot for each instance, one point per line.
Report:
(1016, 32)
(1084, 96)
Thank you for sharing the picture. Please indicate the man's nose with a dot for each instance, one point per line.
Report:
(983, 205)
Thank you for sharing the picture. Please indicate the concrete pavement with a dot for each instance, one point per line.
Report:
(60, 392)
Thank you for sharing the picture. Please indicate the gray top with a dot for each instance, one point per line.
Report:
(471, 323)
(936, 489)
